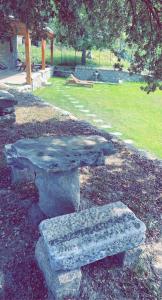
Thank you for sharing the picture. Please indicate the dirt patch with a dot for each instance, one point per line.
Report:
(126, 177)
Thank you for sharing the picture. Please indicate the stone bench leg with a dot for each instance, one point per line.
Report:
(61, 284)
(131, 257)
(128, 259)
(59, 192)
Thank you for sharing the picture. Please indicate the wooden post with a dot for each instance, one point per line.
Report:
(43, 54)
(28, 57)
(52, 51)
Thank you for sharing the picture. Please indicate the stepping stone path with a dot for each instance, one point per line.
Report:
(116, 133)
(98, 121)
(128, 142)
(83, 238)
(84, 110)
(91, 115)
(75, 101)
(7, 110)
(53, 163)
(105, 126)
(79, 106)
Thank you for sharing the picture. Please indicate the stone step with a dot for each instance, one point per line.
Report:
(77, 239)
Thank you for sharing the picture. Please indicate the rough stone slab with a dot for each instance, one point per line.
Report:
(7, 99)
(91, 235)
(7, 119)
(8, 110)
(4, 86)
(59, 153)
(61, 284)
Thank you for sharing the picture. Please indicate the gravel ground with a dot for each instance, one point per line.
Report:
(127, 177)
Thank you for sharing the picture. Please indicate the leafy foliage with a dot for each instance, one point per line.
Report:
(92, 23)
(145, 36)
(85, 24)
(34, 13)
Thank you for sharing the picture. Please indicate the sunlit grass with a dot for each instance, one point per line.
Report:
(129, 110)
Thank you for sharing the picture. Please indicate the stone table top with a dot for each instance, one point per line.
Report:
(7, 99)
(59, 153)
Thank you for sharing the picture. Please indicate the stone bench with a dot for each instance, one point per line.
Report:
(53, 163)
(71, 241)
(7, 111)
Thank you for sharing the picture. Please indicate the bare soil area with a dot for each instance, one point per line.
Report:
(128, 177)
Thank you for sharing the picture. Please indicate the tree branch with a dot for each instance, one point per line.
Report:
(153, 11)
(134, 15)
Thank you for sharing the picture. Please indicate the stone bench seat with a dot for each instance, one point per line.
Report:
(72, 241)
(90, 235)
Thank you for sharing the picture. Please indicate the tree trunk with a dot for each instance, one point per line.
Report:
(83, 60)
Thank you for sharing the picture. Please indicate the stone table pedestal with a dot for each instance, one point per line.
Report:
(59, 192)
(55, 162)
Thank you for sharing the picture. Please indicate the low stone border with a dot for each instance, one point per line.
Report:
(106, 75)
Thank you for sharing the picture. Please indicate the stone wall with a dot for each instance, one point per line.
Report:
(41, 77)
(105, 75)
(8, 53)
(63, 71)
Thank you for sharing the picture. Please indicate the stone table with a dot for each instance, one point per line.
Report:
(54, 163)
(7, 111)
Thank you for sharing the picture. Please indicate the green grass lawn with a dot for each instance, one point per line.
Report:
(129, 110)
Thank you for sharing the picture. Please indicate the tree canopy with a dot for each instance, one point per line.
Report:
(84, 24)
(92, 23)
(34, 13)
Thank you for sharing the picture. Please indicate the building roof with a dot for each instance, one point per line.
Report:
(20, 28)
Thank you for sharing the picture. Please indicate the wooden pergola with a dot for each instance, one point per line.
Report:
(21, 29)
